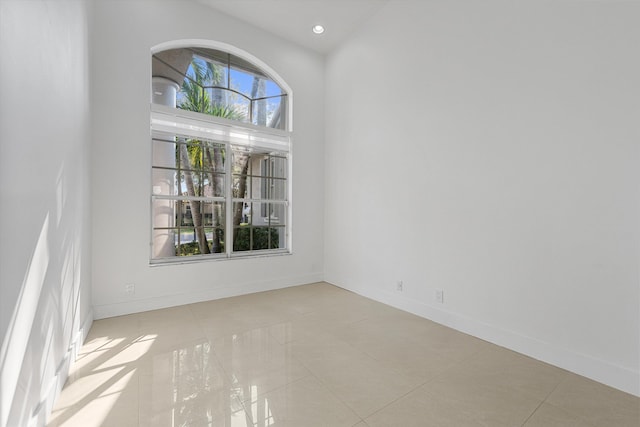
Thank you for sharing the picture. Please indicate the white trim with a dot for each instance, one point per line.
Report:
(211, 44)
(230, 290)
(165, 119)
(289, 218)
(259, 253)
(604, 372)
(189, 123)
(173, 121)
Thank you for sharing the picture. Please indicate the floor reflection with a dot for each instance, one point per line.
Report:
(314, 356)
(220, 382)
(188, 387)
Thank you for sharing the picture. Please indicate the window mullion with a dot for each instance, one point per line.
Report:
(228, 186)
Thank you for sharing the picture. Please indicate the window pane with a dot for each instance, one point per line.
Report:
(242, 82)
(215, 236)
(259, 113)
(278, 238)
(217, 83)
(192, 96)
(163, 213)
(241, 161)
(266, 112)
(269, 188)
(227, 104)
(199, 213)
(241, 213)
(241, 187)
(261, 210)
(249, 238)
(241, 167)
(214, 185)
(213, 73)
(273, 166)
(212, 157)
(273, 214)
(163, 242)
(264, 238)
(164, 153)
(241, 107)
(278, 213)
(194, 159)
(242, 238)
(199, 240)
(184, 213)
(184, 237)
(218, 96)
(279, 167)
(213, 214)
(272, 88)
(188, 243)
(193, 183)
(164, 182)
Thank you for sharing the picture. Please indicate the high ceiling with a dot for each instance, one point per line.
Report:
(293, 19)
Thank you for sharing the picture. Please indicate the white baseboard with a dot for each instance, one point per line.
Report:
(618, 377)
(236, 289)
(615, 376)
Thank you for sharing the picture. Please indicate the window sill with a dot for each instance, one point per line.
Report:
(216, 258)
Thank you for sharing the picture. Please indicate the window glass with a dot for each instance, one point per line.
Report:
(218, 84)
(218, 190)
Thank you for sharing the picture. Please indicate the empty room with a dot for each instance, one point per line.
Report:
(356, 213)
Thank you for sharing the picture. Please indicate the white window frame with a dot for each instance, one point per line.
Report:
(225, 47)
(174, 121)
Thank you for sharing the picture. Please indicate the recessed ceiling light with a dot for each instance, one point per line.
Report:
(318, 29)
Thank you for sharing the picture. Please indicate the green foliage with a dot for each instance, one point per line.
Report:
(261, 236)
(196, 98)
(207, 73)
(201, 160)
(193, 248)
(242, 241)
(226, 112)
(188, 249)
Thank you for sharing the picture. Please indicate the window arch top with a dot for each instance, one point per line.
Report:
(218, 83)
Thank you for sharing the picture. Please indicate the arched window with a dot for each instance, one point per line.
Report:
(220, 84)
(221, 161)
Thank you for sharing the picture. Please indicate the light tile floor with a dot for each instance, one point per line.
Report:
(317, 355)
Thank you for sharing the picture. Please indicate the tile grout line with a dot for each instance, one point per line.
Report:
(395, 400)
(311, 373)
(532, 413)
(566, 411)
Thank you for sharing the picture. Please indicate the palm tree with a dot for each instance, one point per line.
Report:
(258, 89)
(195, 154)
(200, 155)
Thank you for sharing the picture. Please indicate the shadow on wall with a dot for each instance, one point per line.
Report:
(45, 329)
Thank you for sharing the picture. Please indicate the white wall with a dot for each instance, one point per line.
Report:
(124, 33)
(491, 150)
(44, 212)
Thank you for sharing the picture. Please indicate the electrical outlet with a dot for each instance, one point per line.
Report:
(130, 288)
(440, 296)
(399, 286)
